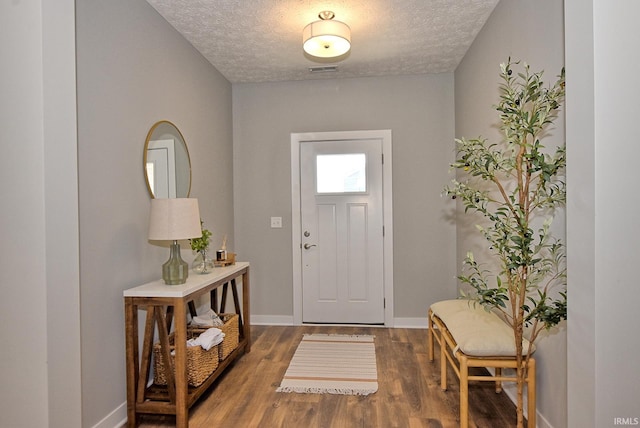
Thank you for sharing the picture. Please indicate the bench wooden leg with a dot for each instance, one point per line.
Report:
(430, 335)
(531, 394)
(443, 365)
(464, 392)
(498, 383)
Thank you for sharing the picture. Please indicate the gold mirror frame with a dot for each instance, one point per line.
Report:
(166, 144)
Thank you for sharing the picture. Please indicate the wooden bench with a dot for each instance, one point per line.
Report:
(469, 336)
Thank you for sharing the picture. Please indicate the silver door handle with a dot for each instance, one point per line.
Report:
(307, 246)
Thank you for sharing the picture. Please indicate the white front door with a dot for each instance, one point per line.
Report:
(341, 201)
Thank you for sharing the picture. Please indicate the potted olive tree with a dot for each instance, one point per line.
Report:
(516, 185)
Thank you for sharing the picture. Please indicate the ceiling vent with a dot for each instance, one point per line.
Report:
(324, 69)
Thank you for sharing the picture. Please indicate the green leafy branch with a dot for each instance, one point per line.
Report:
(202, 243)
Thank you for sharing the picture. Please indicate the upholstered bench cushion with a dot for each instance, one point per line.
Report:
(477, 332)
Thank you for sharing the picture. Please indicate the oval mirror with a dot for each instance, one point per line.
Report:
(166, 163)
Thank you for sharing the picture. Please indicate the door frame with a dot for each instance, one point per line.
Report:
(387, 196)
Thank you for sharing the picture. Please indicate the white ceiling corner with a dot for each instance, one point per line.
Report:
(261, 40)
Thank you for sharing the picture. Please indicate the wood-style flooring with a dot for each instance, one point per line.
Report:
(409, 394)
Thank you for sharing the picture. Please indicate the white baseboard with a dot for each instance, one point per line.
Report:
(512, 393)
(541, 422)
(511, 390)
(288, 320)
(272, 319)
(115, 419)
(410, 322)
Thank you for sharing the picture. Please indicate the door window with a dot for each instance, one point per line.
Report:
(341, 173)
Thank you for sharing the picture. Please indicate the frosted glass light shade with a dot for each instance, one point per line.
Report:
(174, 219)
(326, 38)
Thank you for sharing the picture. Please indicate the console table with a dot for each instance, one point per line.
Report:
(163, 303)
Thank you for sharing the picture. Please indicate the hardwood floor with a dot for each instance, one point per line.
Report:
(409, 394)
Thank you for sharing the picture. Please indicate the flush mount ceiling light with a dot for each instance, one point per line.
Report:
(326, 38)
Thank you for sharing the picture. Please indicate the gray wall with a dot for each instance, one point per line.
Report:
(38, 106)
(581, 219)
(39, 217)
(602, 43)
(133, 70)
(418, 110)
(514, 29)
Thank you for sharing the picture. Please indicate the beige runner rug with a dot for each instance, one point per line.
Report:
(332, 364)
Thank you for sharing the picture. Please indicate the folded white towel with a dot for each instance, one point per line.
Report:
(208, 339)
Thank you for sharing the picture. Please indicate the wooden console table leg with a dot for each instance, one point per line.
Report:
(246, 331)
(169, 317)
(214, 300)
(236, 304)
(145, 361)
(131, 342)
(192, 309)
(223, 299)
(182, 388)
(165, 349)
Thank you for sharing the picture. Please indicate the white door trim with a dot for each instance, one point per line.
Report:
(387, 193)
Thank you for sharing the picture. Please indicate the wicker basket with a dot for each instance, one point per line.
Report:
(231, 331)
(200, 363)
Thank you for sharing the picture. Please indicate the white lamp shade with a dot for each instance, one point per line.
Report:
(326, 38)
(174, 219)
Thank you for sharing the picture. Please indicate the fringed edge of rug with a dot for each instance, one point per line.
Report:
(340, 391)
(351, 336)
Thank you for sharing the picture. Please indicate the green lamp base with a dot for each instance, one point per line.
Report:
(175, 271)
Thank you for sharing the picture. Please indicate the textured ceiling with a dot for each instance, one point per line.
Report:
(261, 40)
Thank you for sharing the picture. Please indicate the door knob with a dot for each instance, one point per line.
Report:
(307, 246)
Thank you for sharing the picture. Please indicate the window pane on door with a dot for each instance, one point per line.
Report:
(343, 173)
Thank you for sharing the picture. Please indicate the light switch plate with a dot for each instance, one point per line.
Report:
(276, 222)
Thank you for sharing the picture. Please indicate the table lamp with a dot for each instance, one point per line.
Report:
(171, 220)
